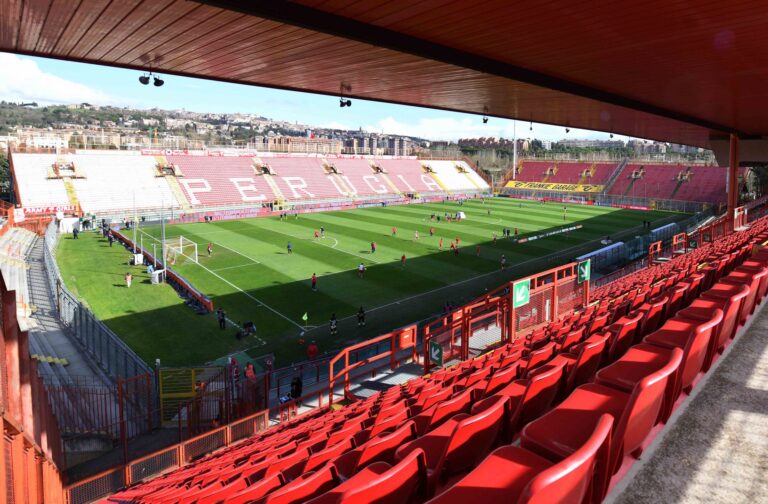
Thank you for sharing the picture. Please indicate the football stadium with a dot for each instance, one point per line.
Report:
(306, 320)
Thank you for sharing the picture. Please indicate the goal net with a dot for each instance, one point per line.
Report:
(179, 250)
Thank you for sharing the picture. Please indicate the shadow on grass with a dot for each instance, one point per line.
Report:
(392, 295)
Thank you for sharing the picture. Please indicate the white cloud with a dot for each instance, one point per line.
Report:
(25, 81)
(448, 128)
(335, 125)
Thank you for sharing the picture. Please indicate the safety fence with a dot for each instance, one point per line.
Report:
(630, 202)
(32, 449)
(516, 308)
(389, 349)
(114, 357)
(173, 457)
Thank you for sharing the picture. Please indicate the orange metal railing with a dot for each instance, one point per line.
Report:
(361, 355)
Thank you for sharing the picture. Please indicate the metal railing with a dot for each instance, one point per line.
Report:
(112, 355)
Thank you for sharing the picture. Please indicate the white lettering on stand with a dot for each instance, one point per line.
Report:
(191, 191)
(248, 185)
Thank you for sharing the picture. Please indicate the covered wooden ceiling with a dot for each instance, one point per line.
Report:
(671, 70)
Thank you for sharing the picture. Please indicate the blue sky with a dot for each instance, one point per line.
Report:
(49, 81)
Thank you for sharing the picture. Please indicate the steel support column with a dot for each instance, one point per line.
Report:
(733, 177)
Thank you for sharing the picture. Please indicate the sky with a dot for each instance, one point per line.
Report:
(48, 81)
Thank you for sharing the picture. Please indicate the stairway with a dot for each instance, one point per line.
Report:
(273, 185)
(389, 182)
(629, 187)
(178, 193)
(71, 192)
(677, 188)
(615, 175)
(439, 182)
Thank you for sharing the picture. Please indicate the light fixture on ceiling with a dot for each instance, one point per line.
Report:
(144, 79)
(342, 102)
(158, 81)
(567, 130)
(531, 128)
(611, 135)
(485, 115)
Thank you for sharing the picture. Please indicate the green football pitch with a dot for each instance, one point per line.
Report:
(251, 275)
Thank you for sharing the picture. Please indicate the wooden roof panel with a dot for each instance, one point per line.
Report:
(642, 68)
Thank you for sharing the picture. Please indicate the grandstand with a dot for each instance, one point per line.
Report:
(605, 182)
(115, 183)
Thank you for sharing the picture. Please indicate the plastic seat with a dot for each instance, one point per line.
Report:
(253, 492)
(677, 296)
(381, 483)
(316, 460)
(571, 338)
(538, 357)
(304, 487)
(532, 396)
(746, 278)
(497, 381)
(440, 412)
(461, 442)
(378, 449)
(587, 360)
(653, 314)
(635, 414)
(693, 337)
(755, 267)
(514, 474)
(389, 422)
(623, 334)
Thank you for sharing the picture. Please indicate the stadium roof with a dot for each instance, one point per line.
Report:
(670, 70)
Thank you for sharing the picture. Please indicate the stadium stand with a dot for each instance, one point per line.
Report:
(303, 178)
(102, 183)
(120, 182)
(696, 183)
(633, 355)
(409, 176)
(566, 172)
(14, 247)
(31, 173)
(208, 181)
(358, 177)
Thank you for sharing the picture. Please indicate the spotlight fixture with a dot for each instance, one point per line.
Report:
(611, 135)
(485, 115)
(531, 128)
(567, 130)
(344, 88)
(485, 119)
(158, 81)
(144, 79)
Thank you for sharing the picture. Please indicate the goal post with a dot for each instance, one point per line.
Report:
(180, 249)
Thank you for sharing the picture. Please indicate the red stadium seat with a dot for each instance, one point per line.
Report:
(532, 396)
(635, 415)
(381, 483)
(440, 412)
(380, 448)
(459, 443)
(693, 337)
(623, 334)
(589, 355)
(515, 475)
(305, 487)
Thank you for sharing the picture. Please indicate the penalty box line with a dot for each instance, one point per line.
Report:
(240, 289)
